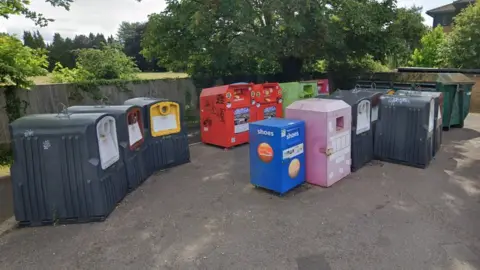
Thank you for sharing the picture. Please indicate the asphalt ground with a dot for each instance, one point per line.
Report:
(206, 215)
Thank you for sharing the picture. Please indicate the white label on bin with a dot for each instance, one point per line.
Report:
(134, 133)
(330, 175)
(341, 170)
(241, 128)
(340, 159)
(161, 123)
(375, 113)
(293, 151)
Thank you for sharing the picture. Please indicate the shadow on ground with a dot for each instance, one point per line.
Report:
(206, 215)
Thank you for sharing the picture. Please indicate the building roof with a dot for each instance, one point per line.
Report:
(449, 8)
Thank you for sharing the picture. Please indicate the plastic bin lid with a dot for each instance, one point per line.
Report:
(55, 123)
(417, 93)
(406, 101)
(144, 101)
(419, 77)
(352, 97)
(115, 110)
(454, 78)
(318, 104)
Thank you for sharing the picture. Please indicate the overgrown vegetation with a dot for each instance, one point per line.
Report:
(17, 64)
(429, 54)
(462, 47)
(231, 37)
(108, 63)
(458, 49)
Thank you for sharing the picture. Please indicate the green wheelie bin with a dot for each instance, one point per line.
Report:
(293, 91)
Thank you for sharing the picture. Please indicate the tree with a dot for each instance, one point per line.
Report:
(94, 64)
(28, 39)
(428, 55)
(60, 50)
(130, 36)
(405, 33)
(228, 37)
(34, 41)
(39, 42)
(462, 49)
(17, 64)
(21, 7)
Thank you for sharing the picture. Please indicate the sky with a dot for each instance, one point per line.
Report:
(104, 16)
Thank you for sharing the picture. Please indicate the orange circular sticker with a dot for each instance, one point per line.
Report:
(265, 152)
(294, 168)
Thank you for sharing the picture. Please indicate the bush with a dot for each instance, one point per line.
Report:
(108, 63)
(18, 62)
(462, 48)
(63, 74)
(428, 55)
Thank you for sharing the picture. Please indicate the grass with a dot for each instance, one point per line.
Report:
(39, 80)
(4, 170)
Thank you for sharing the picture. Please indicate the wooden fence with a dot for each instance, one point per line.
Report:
(49, 98)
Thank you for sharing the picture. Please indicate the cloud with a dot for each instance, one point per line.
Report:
(85, 16)
(104, 16)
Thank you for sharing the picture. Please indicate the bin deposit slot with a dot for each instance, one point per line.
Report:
(135, 133)
(339, 123)
(107, 141)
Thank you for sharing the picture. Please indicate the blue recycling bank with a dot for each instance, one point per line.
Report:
(277, 157)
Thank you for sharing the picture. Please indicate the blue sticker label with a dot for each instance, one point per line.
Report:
(241, 119)
(270, 112)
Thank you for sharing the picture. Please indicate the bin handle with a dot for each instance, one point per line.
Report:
(102, 102)
(63, 111)
(356, 89)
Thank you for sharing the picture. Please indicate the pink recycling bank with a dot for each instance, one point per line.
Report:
(327, 138)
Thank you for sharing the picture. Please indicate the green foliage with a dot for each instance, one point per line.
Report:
(6, 155)
(33, 40)
(129, 36)
(462, 49)
(94, 64)
(21, 7)
(230, 37)
(64, 50)
(63, 74)
(107, 63)
(405, 33)
(18, 62)
(428, 55)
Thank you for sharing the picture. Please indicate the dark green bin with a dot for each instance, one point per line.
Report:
(456, 89)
